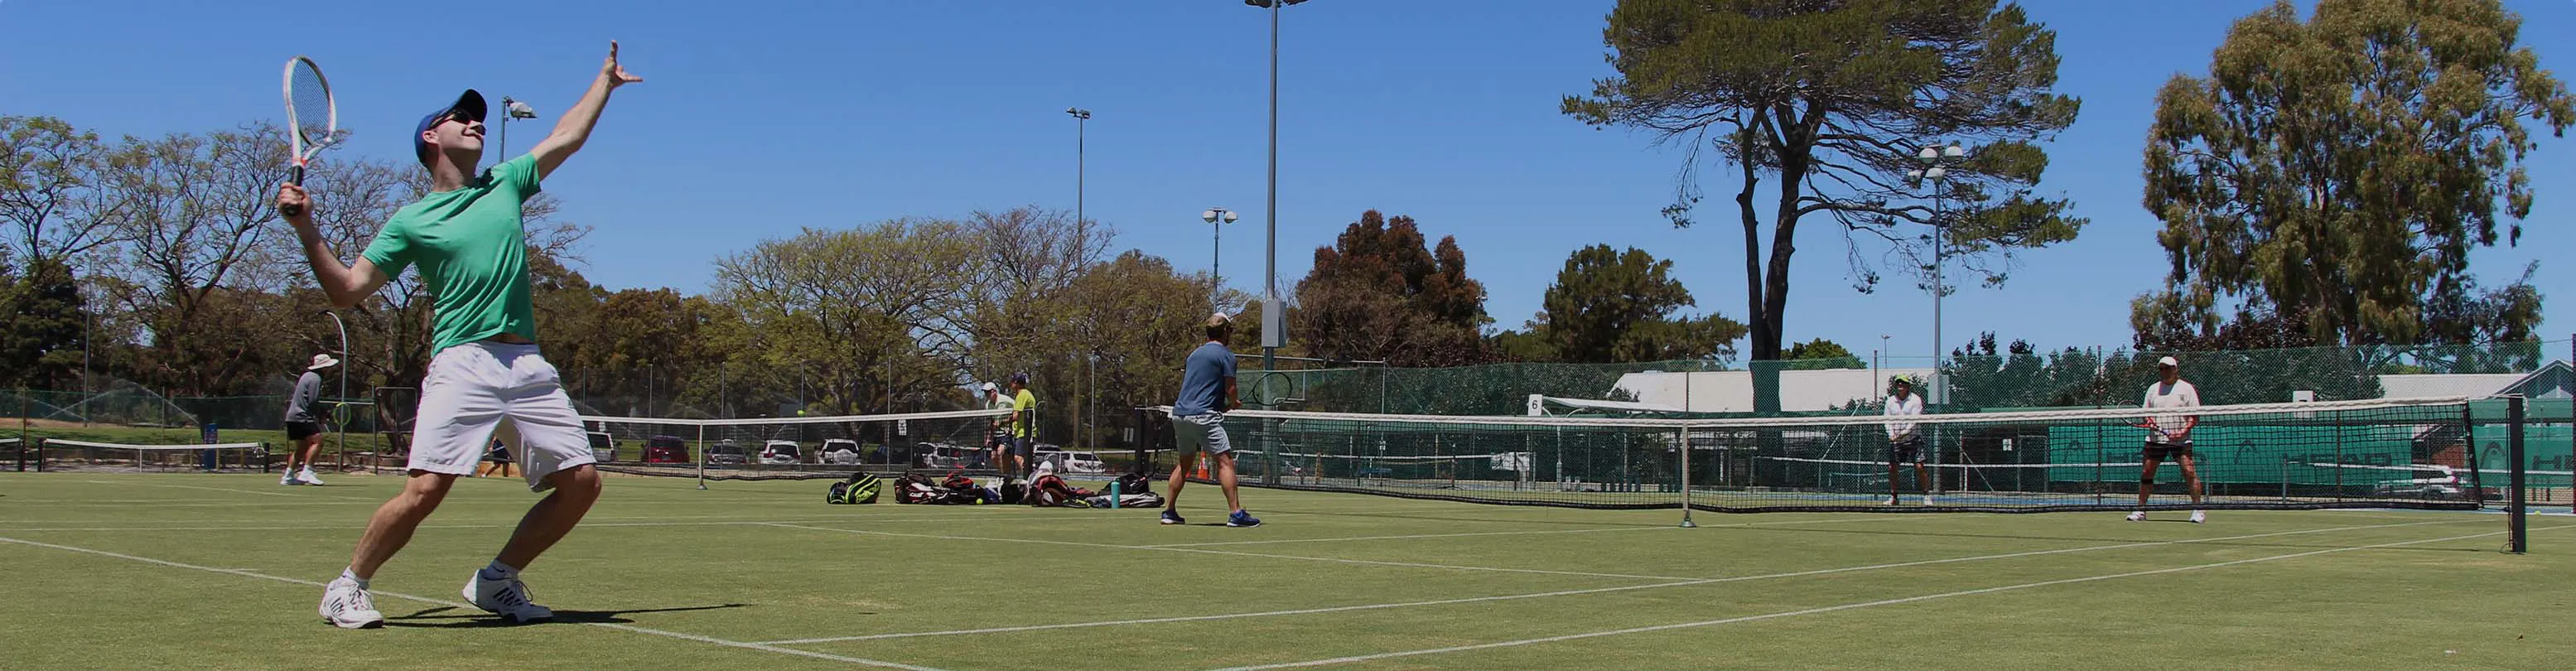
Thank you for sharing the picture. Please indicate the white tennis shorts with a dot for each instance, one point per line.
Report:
(478, 389)
(1202, 433)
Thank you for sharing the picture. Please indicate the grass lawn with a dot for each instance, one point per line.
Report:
(222, 572)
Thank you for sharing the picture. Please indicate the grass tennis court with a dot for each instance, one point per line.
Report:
(212, 571)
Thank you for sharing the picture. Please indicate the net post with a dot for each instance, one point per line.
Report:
(701, 456)
(1686, 478)
(2515, 527)
(2469, 444)
(2285, 479)
(23, 442)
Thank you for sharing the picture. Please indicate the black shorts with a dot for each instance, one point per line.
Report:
(298, 431)
(2167, 451)
(1907, 451)
(1023, 447)
(497, 455)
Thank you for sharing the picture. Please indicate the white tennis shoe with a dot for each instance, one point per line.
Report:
(509, 598)
(348, 606)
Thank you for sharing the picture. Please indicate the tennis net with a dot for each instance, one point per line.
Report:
(792, 447)
(58, 454)
(2378, 453)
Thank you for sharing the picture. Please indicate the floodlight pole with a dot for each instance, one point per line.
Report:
(1271, 312)
(340, 425)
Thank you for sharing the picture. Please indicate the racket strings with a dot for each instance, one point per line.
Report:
(312, 100)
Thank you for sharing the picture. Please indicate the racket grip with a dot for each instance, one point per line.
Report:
(295, 176)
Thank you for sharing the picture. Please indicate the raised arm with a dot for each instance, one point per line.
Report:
(346, 285)
(574, 127)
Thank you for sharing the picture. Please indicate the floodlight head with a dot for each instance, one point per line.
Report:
(1935, 174)
(1230, 216)
(1078, 113)
(1266, 4)
(517, 110)
(1208, 216)
(1953, 151)
(1928, 155)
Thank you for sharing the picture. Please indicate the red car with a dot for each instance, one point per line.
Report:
(666, 450)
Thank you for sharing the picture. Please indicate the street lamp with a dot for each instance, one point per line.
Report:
(1080, 115)
(511, 109)
(1274, 319)
(1934, 160)
(1218, 217)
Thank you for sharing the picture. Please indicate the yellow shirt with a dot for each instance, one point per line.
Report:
(1024, 414)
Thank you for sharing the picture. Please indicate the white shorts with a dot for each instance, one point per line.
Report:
(1202, 433)
(478, 389)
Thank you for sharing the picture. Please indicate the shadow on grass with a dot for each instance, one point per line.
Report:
(442, 618)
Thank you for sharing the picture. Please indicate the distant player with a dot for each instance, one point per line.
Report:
(1198, 420)
(1904, 444)
(2169, 437)
(302, 426)
(997, 436)
(486, 375)
(1024, 424)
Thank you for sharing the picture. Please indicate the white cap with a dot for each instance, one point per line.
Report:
(988, 386)
(321, 361)
(2168, 361)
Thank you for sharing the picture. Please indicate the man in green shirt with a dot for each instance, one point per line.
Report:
(1024, 420)
(486, 377)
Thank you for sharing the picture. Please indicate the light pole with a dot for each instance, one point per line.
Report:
(1080, 115)
(1217, 218)
(511, 109)
(1274, 319)
(1934, 159)
(339, 422)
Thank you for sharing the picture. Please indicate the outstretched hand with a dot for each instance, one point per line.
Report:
(616, 74)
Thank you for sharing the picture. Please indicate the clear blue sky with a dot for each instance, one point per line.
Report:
(760, 117)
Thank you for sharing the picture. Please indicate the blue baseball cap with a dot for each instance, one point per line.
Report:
(469, 105)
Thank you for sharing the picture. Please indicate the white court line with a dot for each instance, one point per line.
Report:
(492, 525)
(1577, 592)
(1872, 518)
(210, 489)
(1843, 607)
(453, 604)
(1238, 554)
(1409, 537)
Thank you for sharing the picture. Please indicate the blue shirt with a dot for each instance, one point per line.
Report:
(1203, 381)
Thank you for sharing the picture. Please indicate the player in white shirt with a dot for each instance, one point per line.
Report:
(2169, 436)
(1903, 443)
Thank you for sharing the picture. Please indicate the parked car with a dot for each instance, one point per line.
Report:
(942, 455)
(839, 451)
(1071, 462)
(603, 449)
(666, 450)
(726, 452)
(781, 452)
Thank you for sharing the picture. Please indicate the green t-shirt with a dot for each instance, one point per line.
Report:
(472, 248)
(1024, 413)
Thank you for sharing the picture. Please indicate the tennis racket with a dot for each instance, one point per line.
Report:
(311, 118)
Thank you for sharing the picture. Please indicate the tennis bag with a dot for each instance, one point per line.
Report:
(1049, 490)
(912, 488)
(860, 488)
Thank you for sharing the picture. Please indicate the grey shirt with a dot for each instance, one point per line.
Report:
(308, 393)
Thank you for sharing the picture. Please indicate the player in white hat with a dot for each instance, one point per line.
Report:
(2169, 437)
